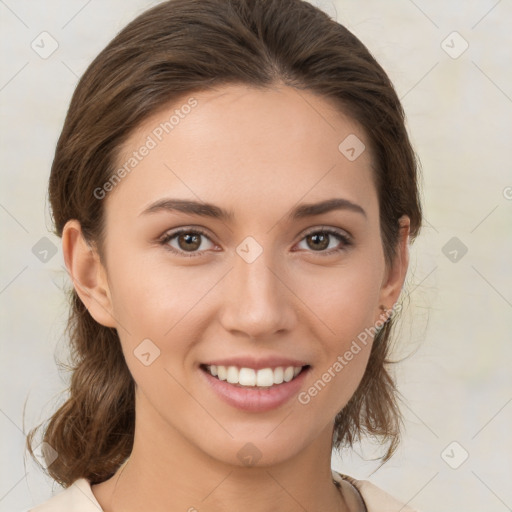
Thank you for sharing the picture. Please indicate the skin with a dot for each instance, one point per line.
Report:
(257, 153)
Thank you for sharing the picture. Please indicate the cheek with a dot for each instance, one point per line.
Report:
(344, 298)
(157, 310)
(155, 295)
(161, 303)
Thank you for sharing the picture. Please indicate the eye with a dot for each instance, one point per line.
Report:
(320, 240)
(188, 241)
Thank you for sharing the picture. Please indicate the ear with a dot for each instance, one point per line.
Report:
(394, 276)
(88, 274)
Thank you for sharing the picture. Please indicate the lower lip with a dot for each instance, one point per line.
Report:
(256, 399)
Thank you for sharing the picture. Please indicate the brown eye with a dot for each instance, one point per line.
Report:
(318, 241)
(188, 242)
(323, 241)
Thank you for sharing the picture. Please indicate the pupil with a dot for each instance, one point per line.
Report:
(188, 238)
(323, 238)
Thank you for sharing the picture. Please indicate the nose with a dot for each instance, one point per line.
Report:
(257, 299)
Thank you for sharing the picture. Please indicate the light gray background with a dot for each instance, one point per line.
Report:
(457, 382)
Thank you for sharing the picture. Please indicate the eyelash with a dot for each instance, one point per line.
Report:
(167, 237)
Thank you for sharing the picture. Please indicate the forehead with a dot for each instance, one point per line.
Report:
(256, 147)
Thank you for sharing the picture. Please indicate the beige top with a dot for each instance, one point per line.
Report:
(361, 495)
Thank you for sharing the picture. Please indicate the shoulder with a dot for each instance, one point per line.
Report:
(78, 497)
(375, 499)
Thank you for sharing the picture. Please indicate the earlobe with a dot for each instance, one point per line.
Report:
(395, 276)
(87, 273)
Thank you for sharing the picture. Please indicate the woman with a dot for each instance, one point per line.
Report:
(235, 190)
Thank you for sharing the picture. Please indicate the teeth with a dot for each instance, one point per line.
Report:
(232, 375)
(265, 377)
(221, 372)
(278, 375)
(248, 377)
(288, 374)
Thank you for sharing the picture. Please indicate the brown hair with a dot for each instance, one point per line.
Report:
(171, 50)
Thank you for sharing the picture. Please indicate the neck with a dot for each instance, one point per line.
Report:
(166, 472)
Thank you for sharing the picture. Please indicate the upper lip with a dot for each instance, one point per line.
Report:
(257, 363)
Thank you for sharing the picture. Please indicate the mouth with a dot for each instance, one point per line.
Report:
(262, 378)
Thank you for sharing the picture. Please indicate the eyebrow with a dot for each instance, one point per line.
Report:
(210, 210)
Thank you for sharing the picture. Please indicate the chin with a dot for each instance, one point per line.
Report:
(260, 447)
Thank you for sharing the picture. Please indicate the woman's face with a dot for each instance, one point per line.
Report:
(273, 283)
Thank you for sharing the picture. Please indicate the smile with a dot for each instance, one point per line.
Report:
(250, 377)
